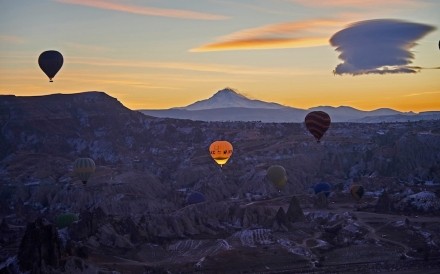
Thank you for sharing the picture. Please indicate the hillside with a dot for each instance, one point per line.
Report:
(133, 214)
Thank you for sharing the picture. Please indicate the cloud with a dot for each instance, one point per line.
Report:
(83, 62)
(379, 46)
(253, 6)
(262, 43)
(421, 93)
(87, 47)
(356, 3)
(186, 66)
(308, 33)
(12, 39)
(143, 10)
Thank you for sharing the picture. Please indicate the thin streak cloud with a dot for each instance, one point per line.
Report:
(182, 66)
(12, 39)
(199, 67)
(421, 93)
(87, 47)
(235, 4)
(143, 10)
(356, 3)
(262, 43)
(309, 33)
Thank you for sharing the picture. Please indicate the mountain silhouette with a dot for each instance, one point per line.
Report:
(227, 98)
(229, 105)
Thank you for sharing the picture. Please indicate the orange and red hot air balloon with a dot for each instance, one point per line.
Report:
(221, 151)
(317, 122)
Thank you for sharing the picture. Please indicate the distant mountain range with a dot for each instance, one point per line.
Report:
(229, 105)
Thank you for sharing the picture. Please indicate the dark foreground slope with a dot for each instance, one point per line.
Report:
(133, 216)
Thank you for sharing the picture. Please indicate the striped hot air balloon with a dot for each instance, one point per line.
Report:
(317, 122)
(357, 191)
(221, 151)
(84, 168)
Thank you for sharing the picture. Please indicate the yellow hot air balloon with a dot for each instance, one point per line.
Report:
(277, 175)
(84, 168)
(221, 151)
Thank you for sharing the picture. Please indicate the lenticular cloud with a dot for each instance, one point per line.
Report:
(378, 46)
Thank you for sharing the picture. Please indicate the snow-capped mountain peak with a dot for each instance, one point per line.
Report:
(227, 98)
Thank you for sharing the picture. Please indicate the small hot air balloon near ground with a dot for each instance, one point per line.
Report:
(317, 122)
(84, 168)
(357, 191)
(195, 198)
(322, 187)
(65, 220)
(50, 63)
(221, 151)
(277, 175)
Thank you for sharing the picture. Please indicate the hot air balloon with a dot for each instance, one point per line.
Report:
(317, 122)
(195, 198)
(65, 220)
(357, 191)
(84, 168)
(50, 63)
(322, 187)
(277, 176)
(221, 151)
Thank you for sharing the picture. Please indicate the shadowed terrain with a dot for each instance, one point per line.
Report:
(133, 216)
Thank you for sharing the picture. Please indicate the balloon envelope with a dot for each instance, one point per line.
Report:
(317, 122)
(322, 187)
(195, 198)
(65, 220)
(277, 175)
(50, 63)
(84, 168)
(221, 151)
(357, 191)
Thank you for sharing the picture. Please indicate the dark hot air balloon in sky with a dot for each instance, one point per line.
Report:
(50, 63)
(317, 122)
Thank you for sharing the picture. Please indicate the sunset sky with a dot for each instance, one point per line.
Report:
(154, 54)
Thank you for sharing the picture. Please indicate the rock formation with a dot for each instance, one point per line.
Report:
(320, 201)
(294, 212)
(384, 203)
(40, 247)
